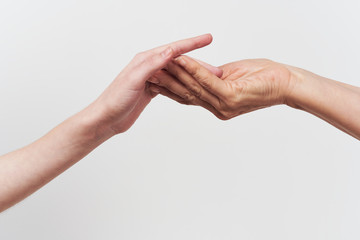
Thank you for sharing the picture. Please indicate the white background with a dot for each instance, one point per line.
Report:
(179, 173)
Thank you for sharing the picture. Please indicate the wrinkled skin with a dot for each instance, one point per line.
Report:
(244, 86)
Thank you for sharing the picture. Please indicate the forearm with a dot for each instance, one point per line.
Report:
(25, 170)
(335, 102)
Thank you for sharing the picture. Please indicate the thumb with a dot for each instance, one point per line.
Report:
(215, 70)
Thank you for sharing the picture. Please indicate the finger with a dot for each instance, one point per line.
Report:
(175, 49)
(186, 45)
(165, 92)
(209, 81)
(155, 89)
(147, 63)
(143, 66)
(191, 84)
(165, 80)
(215, 70)
(153, 93)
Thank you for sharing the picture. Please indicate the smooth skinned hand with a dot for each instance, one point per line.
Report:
(244, 86)
(121, 103)
(113, 112)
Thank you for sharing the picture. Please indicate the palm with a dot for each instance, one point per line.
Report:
(128, 120)
(258, 82)
(244, 86)
(125, 105)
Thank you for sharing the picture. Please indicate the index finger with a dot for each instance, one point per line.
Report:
(147, 63)
(203, 76)
(185, 45)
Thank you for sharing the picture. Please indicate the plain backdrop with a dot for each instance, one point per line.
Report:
(179, 173)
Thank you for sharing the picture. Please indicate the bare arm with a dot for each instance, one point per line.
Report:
(335, 102)
(24, 171)
(253, 84)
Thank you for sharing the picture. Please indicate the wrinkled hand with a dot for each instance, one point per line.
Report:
(244, 86)
(121, 103)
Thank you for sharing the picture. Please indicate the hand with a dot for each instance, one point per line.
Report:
(122, 102)
(244, 86)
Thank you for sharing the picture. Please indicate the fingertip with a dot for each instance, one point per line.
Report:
(210, 37)
(155, 89)
(154, 79)
(180, 60)
(206, 38)
(218, 72)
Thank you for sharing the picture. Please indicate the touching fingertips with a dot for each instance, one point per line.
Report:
(180, 60)
(218, 72)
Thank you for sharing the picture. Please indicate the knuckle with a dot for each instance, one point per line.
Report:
(195, 71)
(175, 49)
(226, 115)
(188, 97)
(222, 117)
(203, 80)
(155, 79)
(196, 90)
(228, 109)
(231, 104)
(140, 57)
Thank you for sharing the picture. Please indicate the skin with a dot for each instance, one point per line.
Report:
(253, 84)
(25, 170)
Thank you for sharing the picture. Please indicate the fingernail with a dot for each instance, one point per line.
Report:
(154, 80)
(155, 89)
(167, 52)
(181, 61)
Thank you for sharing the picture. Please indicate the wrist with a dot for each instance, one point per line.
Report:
(92, 125)
(295, 88)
